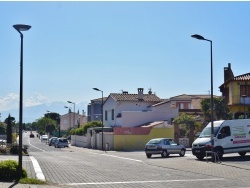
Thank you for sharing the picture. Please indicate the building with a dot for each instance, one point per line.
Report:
(236, 90)
(95, 109)
(72, 120)
(133, 110)
(189, 104)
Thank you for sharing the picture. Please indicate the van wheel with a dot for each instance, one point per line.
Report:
(164, 154)
(200, 157)
(149, 155)
(182, 153)
(242, 154)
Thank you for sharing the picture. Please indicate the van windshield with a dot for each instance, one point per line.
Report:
(207, 132)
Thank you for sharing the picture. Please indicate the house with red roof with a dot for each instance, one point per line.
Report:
(236, 90)
(135, 110)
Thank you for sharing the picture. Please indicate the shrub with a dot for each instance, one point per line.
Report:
(31, 181)
(8, 171)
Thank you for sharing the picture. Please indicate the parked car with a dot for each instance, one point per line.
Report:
(3, 142)
(164, 147)
(52, 141)
(61, 142)
(44, 137)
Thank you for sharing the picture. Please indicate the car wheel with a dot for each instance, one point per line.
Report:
(182, 153)
(164, 154)
(200, 157)
(242, 154)
(149, 155)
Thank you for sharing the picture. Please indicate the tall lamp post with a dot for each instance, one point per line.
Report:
(19, 28)
(74, 111)
(199, 37)
(102, 113)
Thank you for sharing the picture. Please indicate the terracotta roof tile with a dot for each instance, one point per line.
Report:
(134, 97)
(242, 77)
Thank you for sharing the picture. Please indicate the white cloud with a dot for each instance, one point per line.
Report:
(36, 99)
(11, 101)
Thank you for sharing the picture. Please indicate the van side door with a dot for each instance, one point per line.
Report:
(225, 139)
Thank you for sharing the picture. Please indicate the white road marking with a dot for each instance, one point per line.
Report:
(142, 182)
(34, 146)
(38, 170)
(122, 158)
(37, 147)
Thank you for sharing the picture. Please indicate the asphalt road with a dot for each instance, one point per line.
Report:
(81, 167)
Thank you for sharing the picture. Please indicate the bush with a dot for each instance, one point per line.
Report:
(31, 181)
(8, 171)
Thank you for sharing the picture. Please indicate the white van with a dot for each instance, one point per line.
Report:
(230, 136)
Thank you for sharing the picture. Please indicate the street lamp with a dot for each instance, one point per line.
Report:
(19, 28)
(212, 100)
(102, 113)
(74, 111)
(69, 115)
(244, 97)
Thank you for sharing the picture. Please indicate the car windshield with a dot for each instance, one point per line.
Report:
(207, 132)
(154, 141)
(63, 140)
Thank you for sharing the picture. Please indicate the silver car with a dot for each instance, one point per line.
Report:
(61, 142)
(164, 147)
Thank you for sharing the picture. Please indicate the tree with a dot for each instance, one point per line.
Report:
(188, 122)
(2, 128)
(82, 130)
(43, 122)
(54, 116)
(221, 111)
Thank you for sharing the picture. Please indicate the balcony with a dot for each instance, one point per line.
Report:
(238, 100)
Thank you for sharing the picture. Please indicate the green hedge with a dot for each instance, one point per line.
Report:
(8, 171)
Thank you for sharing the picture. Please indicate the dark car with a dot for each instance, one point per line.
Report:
(32, 135)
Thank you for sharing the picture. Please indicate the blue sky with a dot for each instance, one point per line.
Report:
(114, 46)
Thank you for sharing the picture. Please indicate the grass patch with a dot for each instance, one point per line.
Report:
(31, 181)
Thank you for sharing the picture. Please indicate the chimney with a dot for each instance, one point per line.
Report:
(228, 73)
(140, 93)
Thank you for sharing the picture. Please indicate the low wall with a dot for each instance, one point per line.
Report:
(95, 142)
(136, 138)
(79, 141)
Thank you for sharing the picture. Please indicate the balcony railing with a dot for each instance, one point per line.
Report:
(237, 99)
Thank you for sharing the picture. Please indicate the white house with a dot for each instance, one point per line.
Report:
(132, 110)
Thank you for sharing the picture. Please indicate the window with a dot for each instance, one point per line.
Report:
(181, 105)
(106, 115)
(245, 90)
(225, 132)
(113, 114)
(166, 142)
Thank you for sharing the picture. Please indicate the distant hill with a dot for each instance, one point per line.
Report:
(32, 113)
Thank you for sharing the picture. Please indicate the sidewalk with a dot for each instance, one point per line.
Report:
(28, 165)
